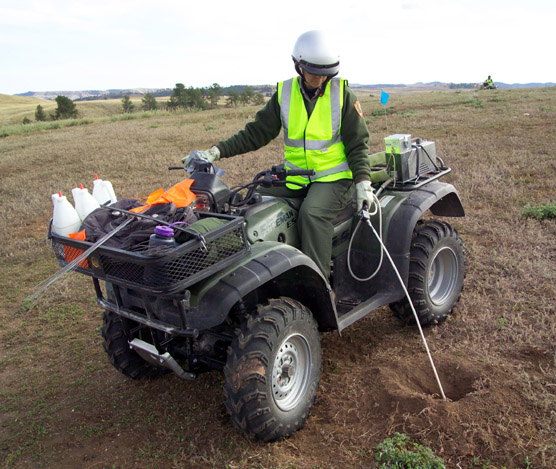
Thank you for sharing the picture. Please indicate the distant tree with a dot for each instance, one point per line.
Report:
(214, 92)
(233, 98)
(66, 108)
(258, 99)
(127, 105)
(194, 99)
(187, 98)
(26, 121)
(246, 95)
(39, 114)
(177, 97)
(149, 102)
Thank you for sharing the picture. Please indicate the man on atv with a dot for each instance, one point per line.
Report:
(489, 84)
(324, 130)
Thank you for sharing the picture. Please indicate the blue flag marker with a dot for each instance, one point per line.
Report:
(384, 98)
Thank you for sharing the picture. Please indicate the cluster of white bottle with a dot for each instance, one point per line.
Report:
(66, 218)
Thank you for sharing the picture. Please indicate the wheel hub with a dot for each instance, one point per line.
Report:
(443, 276)
(291, 371)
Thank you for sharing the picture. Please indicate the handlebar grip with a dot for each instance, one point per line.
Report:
(301, 172)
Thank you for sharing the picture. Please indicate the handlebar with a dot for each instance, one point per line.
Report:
(300, 172)
(276, 176)
(281, 172)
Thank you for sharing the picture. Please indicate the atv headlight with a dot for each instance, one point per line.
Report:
(203, 203)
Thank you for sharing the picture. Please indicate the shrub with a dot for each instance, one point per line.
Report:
(66, 108)
(149, 102)
(127, 105)
(39, 114)
(399, 453)
(539, 212)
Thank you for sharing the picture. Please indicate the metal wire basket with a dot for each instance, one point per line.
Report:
(159, 271)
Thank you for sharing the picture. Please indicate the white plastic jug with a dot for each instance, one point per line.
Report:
(85, 203)
(103, 191)
(65, 219)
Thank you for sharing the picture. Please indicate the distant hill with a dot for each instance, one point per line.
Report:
(524, 85)
(89, 95)
(437, 84)
(86, 95)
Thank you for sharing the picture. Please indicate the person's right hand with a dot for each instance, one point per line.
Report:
(211, 155)
(364, 194)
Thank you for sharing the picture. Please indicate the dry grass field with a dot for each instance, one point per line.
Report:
(62, 404)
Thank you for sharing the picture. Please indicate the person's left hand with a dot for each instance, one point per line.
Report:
(364, 194)
(211, 156)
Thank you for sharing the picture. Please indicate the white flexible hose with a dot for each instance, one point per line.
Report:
(412, 307)
(377, 209)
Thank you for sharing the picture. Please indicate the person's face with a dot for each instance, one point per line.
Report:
(313, 81)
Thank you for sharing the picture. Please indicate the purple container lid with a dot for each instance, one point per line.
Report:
(164, 231)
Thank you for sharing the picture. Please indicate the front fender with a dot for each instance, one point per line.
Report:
(278, 269)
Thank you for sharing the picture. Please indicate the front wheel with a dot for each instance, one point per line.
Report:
(273, 370)
(436, 273)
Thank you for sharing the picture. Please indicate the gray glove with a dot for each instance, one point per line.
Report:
(211, 156)
(364, 193)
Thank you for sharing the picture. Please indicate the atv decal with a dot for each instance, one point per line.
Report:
(385, 200)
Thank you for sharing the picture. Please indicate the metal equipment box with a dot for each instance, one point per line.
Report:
(398, 143)
(407, 160)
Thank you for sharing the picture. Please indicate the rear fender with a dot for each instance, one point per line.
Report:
(272, 269)
(440, 198)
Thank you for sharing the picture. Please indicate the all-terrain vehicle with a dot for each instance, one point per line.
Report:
(242, 298)
(487, 86)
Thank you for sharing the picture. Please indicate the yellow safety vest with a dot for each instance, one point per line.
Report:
(315, 142)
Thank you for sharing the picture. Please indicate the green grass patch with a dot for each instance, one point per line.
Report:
(539, 212)
(382, 112)
(400, 453)
(20, 129)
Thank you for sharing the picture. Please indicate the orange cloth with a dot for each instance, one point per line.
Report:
(180, 194)
(80, 235)
(71, 253)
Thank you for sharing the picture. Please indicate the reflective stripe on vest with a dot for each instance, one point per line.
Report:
(341, 167)
(313, 142)
(336, 117)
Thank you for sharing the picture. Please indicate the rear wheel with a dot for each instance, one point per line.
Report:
(126, 360)
(273, 370)
(436, 273)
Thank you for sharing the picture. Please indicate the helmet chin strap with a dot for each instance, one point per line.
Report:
(308, 92)
(298, 68)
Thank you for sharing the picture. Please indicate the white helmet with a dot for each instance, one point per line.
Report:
(314, 53)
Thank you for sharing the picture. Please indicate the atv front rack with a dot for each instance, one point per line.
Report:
(165, 272)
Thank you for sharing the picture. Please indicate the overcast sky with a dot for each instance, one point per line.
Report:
(59, 45)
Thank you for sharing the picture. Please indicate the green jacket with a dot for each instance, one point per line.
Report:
(267, 126)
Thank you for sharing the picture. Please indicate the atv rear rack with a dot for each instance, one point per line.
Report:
(165, 272)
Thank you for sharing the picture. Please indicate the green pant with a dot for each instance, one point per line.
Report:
(322, 201)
